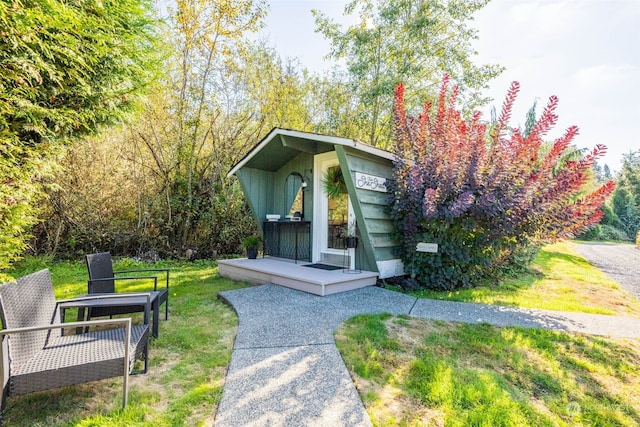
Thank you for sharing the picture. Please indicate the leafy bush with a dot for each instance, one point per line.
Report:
(114, 208)
(485, 194)
(18, 192)
(604, 232)
(624, 206)
(625, 202)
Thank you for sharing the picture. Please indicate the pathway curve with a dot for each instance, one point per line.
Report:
(621, 262)
(285, 369)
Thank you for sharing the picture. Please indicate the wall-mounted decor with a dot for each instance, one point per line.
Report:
(370, 182)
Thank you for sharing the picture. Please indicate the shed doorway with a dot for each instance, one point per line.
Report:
(333, 217)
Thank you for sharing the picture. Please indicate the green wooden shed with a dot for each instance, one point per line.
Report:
(282, 178)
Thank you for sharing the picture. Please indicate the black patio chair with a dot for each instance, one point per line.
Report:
(102, 280)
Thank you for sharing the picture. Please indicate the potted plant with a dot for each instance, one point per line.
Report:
(251, 243)
(351, 242)
(351, 236)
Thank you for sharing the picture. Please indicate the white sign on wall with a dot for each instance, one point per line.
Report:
(427, 247)
(370, 182)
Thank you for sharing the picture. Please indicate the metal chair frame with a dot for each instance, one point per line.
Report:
(35, 355)
(102, 279)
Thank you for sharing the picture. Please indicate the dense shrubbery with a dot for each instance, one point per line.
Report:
(622, 210)
(486, 195)
(625, 202)
(604, 232)
(102, 200)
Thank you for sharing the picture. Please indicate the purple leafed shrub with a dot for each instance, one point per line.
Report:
(487, 195)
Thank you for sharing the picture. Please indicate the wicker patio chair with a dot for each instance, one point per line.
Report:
(37, 356)
(102, 279)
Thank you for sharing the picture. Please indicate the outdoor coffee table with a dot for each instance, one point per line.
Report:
(142, 299)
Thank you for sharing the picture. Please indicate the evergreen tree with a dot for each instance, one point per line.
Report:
(626, 198)
(65, 69)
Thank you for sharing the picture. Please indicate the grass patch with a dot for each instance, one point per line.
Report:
(187, 363)
(446, 374)
(408, 371)
(559, 279)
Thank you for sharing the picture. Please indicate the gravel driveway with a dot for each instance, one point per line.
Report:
(621, 262)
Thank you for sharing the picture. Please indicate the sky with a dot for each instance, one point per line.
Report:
(586, 52)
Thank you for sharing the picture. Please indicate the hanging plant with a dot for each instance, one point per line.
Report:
(333, 183)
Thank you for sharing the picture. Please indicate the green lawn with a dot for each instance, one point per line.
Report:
(408, 371)
(414, 372)
(560, 279)
(188, 361)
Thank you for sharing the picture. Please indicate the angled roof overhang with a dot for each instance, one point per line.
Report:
(282, 145)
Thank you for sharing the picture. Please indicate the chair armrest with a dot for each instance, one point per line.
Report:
(105, 279)
(126, 324)
(126, 321)
(165, 270)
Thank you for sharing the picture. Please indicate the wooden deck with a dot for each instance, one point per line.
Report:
(291, 275)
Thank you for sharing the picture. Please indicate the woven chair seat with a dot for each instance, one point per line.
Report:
(75, 359)
(35, 355)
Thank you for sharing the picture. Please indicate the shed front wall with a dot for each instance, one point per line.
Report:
(377, 250)
(258, 187)
(374, 223)
(265, 193)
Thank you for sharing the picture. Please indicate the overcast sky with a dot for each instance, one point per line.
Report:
(587, 52)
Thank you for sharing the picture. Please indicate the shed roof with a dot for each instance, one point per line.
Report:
(282, 145)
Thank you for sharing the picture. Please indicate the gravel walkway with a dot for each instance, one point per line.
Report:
(285, 369)
(619, 261)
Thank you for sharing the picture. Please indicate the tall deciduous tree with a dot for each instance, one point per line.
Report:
(485, 195)
(410, 41)
(65, 69)
(174, 159)
(184, 132)
(206, 34)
